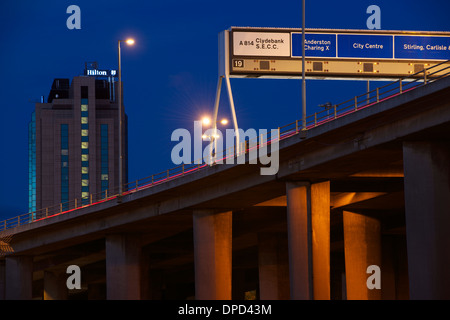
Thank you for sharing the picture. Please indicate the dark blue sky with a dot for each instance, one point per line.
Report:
(170, 75)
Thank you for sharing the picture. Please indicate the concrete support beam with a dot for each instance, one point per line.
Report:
(19, 277)
(273, 261)
(212, 254)
(155, 285)
(146, 281)
(123, 267)
(2, 279)
(362, 247)
(55, 287)
(308, 216)
(394, 281)
(320, 224)
(298, 222)
(388, 265)
(427, 206)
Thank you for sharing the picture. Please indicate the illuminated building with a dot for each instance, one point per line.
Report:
(74, 142)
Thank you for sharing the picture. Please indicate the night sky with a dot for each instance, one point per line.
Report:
(170, 74)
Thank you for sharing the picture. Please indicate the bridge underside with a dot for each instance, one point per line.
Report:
(368, 185)
(371, 192)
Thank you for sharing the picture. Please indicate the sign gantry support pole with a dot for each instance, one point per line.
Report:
(224, 71)
(216, 110)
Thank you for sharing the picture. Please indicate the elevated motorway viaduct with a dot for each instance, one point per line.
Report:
(369, 188)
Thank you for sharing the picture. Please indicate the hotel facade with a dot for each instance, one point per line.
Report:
(74, 143)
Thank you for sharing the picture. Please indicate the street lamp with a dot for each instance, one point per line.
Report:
(207, 121)
(129, 42)
(327, 106)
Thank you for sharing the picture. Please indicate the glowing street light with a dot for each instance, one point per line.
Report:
(206, 121)
(128, 41)
(213, 138)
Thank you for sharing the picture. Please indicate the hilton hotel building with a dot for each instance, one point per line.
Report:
(74, 143)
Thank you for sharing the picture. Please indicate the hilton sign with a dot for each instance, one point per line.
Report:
(104, 73)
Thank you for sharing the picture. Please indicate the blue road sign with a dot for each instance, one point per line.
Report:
(316, 45)
(422, 47)
(365, 46)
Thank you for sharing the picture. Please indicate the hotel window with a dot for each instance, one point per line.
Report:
(84, 145)
(32, 164)
(104, 157)
(64, 165)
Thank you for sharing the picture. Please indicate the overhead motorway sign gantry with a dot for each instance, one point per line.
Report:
(330, 53)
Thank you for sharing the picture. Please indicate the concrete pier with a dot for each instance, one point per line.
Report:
(362, 242)
(273, 263)
(427, 206)
(123, 267)
(212, 254)
(19, 277)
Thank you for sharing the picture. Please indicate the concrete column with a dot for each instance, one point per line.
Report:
(273, 263)
(320, 224)
(402, 282)
(388, 265)
(146, 292)
(212, 254)
(2, 279)
(394, 282)
(19, 277)
(55, 287)
(308, 216)
(298, 223)
(155, 284)
(123, 269)
(427, 192)
(362, 247)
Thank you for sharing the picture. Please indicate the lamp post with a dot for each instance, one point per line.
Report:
(303, 69)
(207, 121)
(129, 42)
